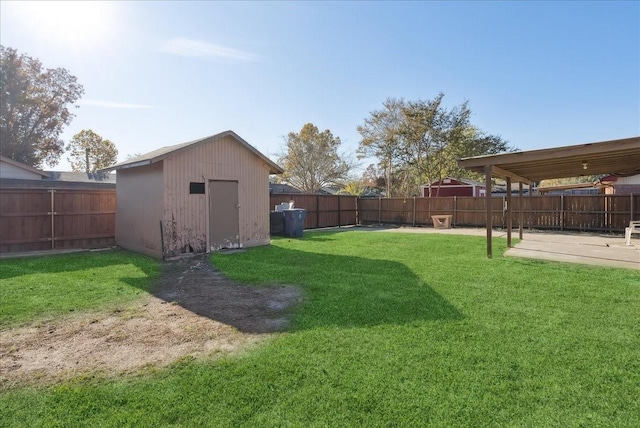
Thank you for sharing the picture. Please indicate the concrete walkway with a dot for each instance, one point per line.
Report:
(584, 248)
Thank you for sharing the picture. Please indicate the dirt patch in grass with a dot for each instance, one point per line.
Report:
(195, 312)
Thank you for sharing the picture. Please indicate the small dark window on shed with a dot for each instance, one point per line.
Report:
(196, 188)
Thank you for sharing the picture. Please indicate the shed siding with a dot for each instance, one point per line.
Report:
(185, 214)
(446, 191)
(139, 209)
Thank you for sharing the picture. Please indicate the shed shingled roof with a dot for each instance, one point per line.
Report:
(162, 153)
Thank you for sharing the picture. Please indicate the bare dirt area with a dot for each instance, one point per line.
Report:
(194, 312)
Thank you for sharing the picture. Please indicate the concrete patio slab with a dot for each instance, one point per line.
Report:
(599, 250)
(571, 247)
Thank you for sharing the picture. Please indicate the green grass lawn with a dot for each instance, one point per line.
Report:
(395, 330)
(44, 287)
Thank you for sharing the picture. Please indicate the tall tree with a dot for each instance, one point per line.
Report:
(312, 160)
(431, 136)
(90, 152)
(381, 136)
(34, 108)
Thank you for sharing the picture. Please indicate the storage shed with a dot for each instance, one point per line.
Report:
(199, 196)
(449, 186)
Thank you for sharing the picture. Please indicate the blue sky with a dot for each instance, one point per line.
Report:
(540, 74)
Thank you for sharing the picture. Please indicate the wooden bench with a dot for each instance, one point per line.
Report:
(634, 227)
(441, 221)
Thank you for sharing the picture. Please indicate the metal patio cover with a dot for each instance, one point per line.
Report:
(618, 157)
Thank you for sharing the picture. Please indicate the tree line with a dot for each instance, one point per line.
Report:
(413, 142)
(35, 107)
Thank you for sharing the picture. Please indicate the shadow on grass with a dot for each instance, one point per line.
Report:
(341, 291)
(311, 289)
(193, 283)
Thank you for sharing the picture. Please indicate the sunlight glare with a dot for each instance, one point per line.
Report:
(71, 24)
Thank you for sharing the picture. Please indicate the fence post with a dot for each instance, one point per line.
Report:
(414, 211)
(607, 216)
(53, 235)
(561, 212)
(318, 211)
(339, 212)
(530, 216)
(504, 211)
(379, 210)
(455, 210)
(521, 210)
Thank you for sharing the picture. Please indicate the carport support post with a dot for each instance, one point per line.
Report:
(509, 213)
(487, 183)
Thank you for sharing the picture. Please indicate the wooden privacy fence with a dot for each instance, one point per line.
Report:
(45, 219)
(52, 219)
(322, 210)
(596, 213)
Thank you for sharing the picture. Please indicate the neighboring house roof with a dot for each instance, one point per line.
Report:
(63, 180)
(164, 152)
(23, 166)
(329, 190)
(371, 193)
(82, 177)
(278, 188)
(35, 178)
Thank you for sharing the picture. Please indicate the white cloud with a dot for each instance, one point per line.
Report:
(196, 48)
(111, 104)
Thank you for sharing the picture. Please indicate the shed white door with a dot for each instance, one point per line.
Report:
(224, 215)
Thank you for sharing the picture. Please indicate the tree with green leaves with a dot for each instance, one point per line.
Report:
(424, 142)
(34, 108)
(312, 160)
(381, 133)
(90, 152)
